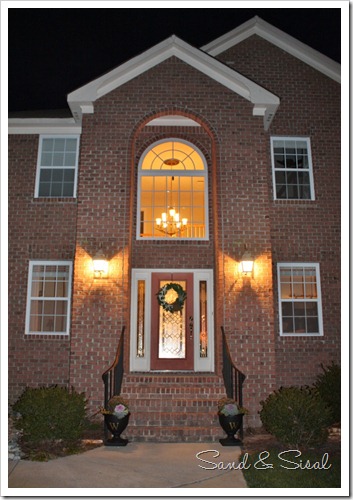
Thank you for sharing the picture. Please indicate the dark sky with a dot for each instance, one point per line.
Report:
(54, 51)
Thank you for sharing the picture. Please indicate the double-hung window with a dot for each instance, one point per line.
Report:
(48, 297)
(292, 168)
(57, 167)
(300, 311)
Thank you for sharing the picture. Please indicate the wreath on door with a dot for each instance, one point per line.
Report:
(171, 297)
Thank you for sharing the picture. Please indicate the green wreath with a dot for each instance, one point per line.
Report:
(169, 304)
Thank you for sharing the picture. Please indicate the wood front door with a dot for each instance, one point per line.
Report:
(172, 342)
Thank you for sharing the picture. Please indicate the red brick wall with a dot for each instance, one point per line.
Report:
(100, 307)
(38, 229)
(303, 231)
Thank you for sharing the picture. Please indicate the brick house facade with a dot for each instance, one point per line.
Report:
(244, 103)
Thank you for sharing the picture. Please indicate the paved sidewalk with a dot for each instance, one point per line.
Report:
(138, 465)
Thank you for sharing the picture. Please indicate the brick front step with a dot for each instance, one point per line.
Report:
(176, 434)
(173, 407)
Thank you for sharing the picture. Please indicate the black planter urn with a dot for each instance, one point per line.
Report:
(230, 424)
(116, 426)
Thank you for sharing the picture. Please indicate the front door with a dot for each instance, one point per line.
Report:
(172, 321)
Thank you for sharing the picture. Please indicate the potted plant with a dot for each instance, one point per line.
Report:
(230, 416)
(116, 417)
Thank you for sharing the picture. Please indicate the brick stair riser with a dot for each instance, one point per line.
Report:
(173, 408)
(186, 393)
(178, 404)
(173, 419)
(171, 435)
(150, 412)
(162, 406)
(171, 380)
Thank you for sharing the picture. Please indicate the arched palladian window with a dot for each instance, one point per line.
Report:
(172, 192)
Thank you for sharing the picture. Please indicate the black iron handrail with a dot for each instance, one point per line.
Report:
(113, 376)
(232, 377)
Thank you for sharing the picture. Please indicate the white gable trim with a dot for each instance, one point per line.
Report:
(265, 103)
(257, 26)
(43, 126)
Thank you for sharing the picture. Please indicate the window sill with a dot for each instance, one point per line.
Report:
(72, 201)
(291, 203)
(173, 241)
(47, 336)
(301, 335)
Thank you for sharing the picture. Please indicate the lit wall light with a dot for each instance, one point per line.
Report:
(100, 265)
(247, 264)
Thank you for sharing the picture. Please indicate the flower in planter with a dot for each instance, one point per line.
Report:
(229, 407)
(116, 406)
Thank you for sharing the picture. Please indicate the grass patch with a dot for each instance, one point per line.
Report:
(324, 474)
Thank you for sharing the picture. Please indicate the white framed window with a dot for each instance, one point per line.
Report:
(292, 170)
(299, 292)
(172, 199)
(48, 297)
(57, 166)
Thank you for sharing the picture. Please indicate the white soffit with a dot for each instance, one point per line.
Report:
(173, 120)
(257, 26)
(265, 103)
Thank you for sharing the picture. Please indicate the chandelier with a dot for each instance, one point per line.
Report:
(170, 223)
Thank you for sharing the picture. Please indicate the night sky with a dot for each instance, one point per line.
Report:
(54, 51)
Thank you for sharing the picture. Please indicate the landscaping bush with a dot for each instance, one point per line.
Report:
(328, 385)
(50, 413)
(296, 416)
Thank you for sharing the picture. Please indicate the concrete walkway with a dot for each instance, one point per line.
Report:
(138, 465)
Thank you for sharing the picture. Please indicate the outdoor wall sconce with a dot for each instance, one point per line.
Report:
(100, 265)
(247, 264)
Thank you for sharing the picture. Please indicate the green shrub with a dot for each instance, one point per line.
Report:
(50, 413)
(328, 384)
(296, 416)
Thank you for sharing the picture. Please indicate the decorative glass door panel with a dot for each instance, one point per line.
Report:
(172, 321)
(172, 327)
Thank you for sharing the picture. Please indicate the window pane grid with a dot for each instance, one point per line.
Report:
(58, 153)
(57, 167)
(187, 197)
(186, 157)
(292, 170)
(49, 299)
(56, 183)
(172, 182)
(299, 301)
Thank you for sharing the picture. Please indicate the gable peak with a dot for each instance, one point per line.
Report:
(264, 102)
(257, 26)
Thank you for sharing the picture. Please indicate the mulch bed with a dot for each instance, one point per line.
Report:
(50, 449)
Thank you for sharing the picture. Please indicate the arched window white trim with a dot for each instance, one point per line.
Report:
(172, 194)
